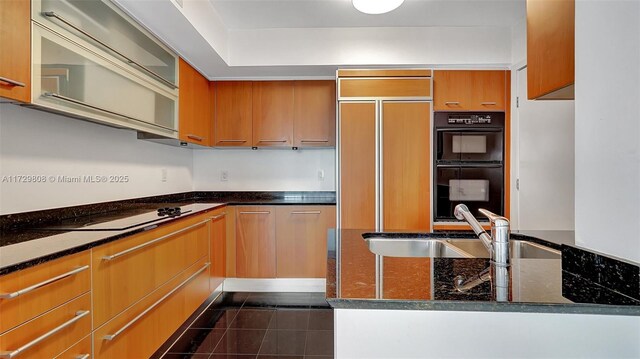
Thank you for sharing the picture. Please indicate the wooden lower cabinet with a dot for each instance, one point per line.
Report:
(256, 241)
(301, 240)
(79, 350)
(130, 335)
(73, 320)
(217, 247)
(73, 276)
(125, 271)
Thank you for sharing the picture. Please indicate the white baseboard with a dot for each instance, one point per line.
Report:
(275, 285)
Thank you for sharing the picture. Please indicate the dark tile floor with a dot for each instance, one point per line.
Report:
(260, 326)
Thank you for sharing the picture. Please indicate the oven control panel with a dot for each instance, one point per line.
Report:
(469, 119)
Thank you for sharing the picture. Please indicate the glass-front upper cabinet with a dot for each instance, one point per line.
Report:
(71, 79)
(102, 24)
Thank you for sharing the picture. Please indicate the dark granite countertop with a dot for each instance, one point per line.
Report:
(563, 285)
(25, 241)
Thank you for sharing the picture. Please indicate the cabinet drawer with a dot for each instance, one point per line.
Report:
(82, 350)
(101, 24)
(125, 271)
(256, 242)
(141, 329)
(50, 334)
(30, 292)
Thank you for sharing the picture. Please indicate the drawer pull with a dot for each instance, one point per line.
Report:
(239, 141)
(145, 244)
(256, 212)
(42, 284)
(488, 103)
(218, 216)
(12, 82)
(305, 212)
(14, 353)
(452, 103)
(83, 356)
(84, 104)
(274, 141)
(316, 141)
(194, 137)
(150, 308)
(130, 61)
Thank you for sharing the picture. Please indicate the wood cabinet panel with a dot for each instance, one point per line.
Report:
(301, 240)
(406, 165)
(314, 114)
(114, 288)
(71, 331)
(380, 87)
(231, 242)
(550, 49)
(469, 90)
(357, 165)
(29, 305)
(145, 335)
(194, 106)
(79, 350)
(233, 113)
(273, 113)
(218, 247)
(255, 242)
(15, 57)
(384, 73)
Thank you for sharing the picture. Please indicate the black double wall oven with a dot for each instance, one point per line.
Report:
(469, 162)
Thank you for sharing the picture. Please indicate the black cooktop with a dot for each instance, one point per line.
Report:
(117, 220)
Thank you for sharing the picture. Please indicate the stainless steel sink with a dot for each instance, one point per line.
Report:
(414, 247)
(518, 249)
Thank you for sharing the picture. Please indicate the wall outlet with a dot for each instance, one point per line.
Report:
(163, 175)
(224, 175)
(320, 175)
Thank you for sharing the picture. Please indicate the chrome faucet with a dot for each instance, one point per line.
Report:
(498, 242)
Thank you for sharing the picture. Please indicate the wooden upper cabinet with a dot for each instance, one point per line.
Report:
(273, 113)
(314, 114)
(550, 49)
(15, 55)
(469, 90)
(233, 113)
(194, 107)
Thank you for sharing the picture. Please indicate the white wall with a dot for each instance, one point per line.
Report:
(519, 41)
(607, 144)
(39, 143)
(483, 46)
(264, 170)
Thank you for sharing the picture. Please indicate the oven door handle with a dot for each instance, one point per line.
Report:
(469, 165)
(470, 129)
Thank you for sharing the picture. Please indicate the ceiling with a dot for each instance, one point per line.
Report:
(263, 14)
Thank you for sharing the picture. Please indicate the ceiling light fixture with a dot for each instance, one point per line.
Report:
(375, 7)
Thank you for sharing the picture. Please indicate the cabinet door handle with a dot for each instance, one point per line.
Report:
(218, 216)
(43, 283)
(155, 304)
(14, 353)
(488, 103)
(69, 99)
(230, 141)
(83, 356)
(12, 82)
(70, 24)
(452, 103)
(146, 244)
(194, 137)
(274, 141)
(305, 212)
(318, 141)
(256, 212)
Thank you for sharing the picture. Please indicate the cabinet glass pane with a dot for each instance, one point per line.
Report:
(63, 69)
(104, 23)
